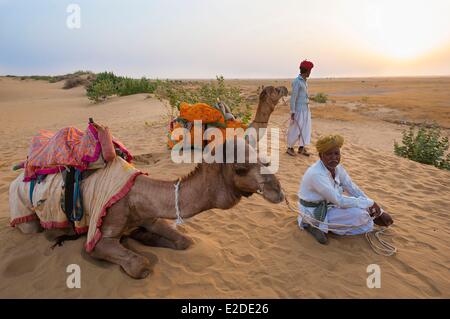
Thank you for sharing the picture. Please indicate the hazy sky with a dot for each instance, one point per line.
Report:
(235, 38)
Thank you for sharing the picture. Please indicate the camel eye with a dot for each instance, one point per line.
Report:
(241, 171)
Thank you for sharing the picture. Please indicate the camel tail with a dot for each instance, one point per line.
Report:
(18, 166)
(59, 241)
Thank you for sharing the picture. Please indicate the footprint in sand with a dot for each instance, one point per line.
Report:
(147, 159)
(199, 263)
(4, 189)
(233, 227)
(245, 258)
(21, 265)
(267, 214)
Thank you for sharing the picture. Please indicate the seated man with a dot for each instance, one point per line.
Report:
(321, 196)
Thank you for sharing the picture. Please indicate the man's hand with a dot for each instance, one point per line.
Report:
(380, 219)
(99, 127)
(375, 210)
(384, 220)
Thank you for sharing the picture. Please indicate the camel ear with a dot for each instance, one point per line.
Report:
(263, 94)
(268, 90)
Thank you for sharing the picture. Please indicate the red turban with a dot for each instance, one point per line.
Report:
(308, 65)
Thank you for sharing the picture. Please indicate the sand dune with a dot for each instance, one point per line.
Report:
(253, 250)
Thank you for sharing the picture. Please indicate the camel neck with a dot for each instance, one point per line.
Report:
(203, 189)
(262, 114)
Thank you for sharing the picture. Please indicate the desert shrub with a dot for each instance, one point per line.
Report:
(107, 76)
(424, 145)
(57, 78)
(320, 98)
(128, 86)
(107, 84)
(208, 93)
(73, 82)
(175, 93)
(244, 114)
(102, 87)
(41, 77)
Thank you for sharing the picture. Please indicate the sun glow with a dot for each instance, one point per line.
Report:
(402, 30)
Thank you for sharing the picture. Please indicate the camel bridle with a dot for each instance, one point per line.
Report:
(179, 220)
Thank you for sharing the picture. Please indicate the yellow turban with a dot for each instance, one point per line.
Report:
(326, 143)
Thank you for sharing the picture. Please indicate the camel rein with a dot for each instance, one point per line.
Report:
(379, 246)
(179, 220)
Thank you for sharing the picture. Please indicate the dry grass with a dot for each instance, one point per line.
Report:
(394, 99)
(336, 112)
(74, 82)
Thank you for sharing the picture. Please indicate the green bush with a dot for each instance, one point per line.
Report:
(175, 93)
(107, 76)
(129, 86)
(424, 145)
(41, 77)
(208, 93)
(100, 90)
(107, 84)
(320, 98)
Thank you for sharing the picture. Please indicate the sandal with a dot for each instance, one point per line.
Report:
(303, 151)
(290, 151)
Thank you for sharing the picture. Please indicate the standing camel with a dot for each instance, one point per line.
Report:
(268, 99)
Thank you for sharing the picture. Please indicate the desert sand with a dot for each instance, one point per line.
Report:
(256, 249)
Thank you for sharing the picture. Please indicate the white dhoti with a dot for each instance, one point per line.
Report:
(357, 219)
(348, 212)
(299, 131)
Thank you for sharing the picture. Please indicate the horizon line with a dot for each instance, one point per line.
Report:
(247, 78)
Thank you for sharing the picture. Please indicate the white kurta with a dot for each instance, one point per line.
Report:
(299, 131)
(318, 185)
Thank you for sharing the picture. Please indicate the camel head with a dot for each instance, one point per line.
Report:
(246, 174)
(272, 95)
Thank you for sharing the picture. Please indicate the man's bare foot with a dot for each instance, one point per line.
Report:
(319, 235)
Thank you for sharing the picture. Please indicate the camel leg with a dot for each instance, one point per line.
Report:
(109, 247)
(31, 227)
(133, 264)
(160, 234)
(151, 239)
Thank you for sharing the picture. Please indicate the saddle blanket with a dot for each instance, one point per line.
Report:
(100, 191)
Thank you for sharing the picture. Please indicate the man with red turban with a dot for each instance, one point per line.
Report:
(300, 125)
